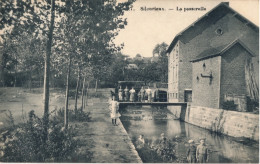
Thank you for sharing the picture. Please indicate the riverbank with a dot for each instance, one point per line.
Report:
(107, 143)
(152, 122)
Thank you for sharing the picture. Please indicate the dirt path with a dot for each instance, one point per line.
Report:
(108, 143)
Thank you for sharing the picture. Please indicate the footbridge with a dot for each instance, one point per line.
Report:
(124, 104)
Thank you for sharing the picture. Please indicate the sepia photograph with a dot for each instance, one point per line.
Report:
(129, 81)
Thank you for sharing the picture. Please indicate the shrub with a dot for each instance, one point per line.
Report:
(251, 104)
(157, 151)
(28, 142)
(166, 150)
(229, 105)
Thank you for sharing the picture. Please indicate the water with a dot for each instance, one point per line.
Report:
(152, 121)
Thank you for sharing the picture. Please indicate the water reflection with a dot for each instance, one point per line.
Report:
(151, 122)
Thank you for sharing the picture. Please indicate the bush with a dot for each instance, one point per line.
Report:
(157, 151)
(229, 105)
(251, 104)
(28, 142)
(166, 150)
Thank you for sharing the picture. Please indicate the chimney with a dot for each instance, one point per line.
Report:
(226, 3)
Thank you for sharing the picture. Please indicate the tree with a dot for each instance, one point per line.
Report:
(19, 25)
(86, 35)
(138, 56)
(107, 21)
(116, 71)
(26, 50)
(162, 66)
(160, 49)
(32, 15)
(83, 35)
(46, 86)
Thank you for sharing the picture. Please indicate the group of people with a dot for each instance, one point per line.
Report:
(199, 154)
(144, 95)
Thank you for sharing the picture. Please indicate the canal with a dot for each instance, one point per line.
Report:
(152, 121)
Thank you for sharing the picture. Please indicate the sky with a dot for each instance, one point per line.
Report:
(146, 28)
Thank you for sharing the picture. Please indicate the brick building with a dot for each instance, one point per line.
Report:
(213, 39)
(220, 74)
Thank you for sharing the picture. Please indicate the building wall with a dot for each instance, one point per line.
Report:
(232, 29)
(206, 91)
(185, 71)
(173, 79)
(233, 72)
(232, 123)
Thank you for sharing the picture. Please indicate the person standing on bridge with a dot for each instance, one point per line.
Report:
(139, 96)
(149, 94)
(114, 108)
(142, 92)
(120, 94)
(132, 94)
(202, 153)
(126, 90)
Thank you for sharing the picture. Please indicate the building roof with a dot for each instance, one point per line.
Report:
(203, 22)
(219, 51)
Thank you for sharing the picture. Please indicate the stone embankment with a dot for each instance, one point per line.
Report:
(232, 123)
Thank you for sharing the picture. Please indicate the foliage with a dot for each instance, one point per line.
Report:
(82, 37)
(84, 30)
(116, 69)
(229, 105)
(162, 66)
(251, 104)
(28, 143)
(158, 151)
(147, 71)
(160, 49)
(22, 57)
(166, 150)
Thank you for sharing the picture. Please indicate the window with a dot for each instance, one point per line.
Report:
(219, 31)
(176, 72)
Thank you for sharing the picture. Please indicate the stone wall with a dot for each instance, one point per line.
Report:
(232, 123)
